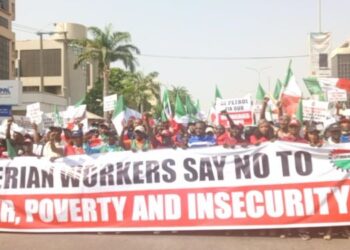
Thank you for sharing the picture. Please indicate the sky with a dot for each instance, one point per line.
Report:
(203, 28)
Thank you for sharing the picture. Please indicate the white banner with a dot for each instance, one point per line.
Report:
(274, 185)
(317, 111)
(109, 102)
(34, 113)
(239, 109)
(336, 95)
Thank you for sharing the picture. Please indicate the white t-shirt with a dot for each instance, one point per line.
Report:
(47, 151)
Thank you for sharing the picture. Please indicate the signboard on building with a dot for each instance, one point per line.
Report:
(320, 47)
(10, 92)
(5, 110)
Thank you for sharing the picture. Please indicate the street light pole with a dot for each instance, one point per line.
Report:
(319, 16)
(258, 70)
(41, 59)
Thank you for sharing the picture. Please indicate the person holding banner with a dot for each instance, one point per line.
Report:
(74, 145)
(53, 147)
(293, 135)
(141, 139)
(235, 132)
(200, 138)
(334, 132)
(222, 136)
(263, 133)
(16, 141)
(113, 144)
(313, 136)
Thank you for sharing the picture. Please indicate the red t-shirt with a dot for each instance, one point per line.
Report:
(254, 140)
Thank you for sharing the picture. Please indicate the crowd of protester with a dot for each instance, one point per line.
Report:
(140, 135)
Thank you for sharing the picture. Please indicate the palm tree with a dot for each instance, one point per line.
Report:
(181, 91)
(142, 91)
(106, 47)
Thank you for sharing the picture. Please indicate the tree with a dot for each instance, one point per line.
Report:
(175, 90)
(107, 47)
(181, 91)
(142, 92)
(116, 78)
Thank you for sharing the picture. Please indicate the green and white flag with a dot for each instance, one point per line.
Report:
(122, 114)
(180, 112)
(299, 114)
(166, 112)
(58, 119)
(260, 93)
(277, 90)
(11, 151)
(314, 87)
(191, 110)
(217, 93)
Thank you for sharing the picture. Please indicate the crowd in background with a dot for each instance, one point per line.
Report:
(145, 134)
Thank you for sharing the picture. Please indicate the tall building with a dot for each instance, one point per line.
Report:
(7, 40)
(341, 61)
(47, 66)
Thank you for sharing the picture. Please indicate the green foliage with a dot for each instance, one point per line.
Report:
(141, 92)
(105, 47)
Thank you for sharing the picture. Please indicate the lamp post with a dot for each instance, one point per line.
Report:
(41, 60)
(258, 71)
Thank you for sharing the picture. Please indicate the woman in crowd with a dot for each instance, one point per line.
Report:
(263, 133)
(293, 135)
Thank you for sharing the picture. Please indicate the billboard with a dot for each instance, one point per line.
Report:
(10, 92)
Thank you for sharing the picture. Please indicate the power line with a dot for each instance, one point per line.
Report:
(218, 58)
(25, 28)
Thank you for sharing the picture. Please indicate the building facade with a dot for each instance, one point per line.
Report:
(341, 61)
(7, 40)
(48, 67)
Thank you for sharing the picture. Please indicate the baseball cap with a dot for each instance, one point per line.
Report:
(140, 129)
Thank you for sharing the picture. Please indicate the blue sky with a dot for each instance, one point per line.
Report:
(204, 28)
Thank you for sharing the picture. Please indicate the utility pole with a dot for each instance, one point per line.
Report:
(320, 16)
(258, 71)
(41, 59)
(66, 86)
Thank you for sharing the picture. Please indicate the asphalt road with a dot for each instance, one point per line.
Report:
(164, 241)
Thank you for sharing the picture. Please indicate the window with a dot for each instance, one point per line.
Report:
(4, 4)
(30, 89)
(4, 58)
(30, 62)
(323, 61)
(4, 22)
(53, 89)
